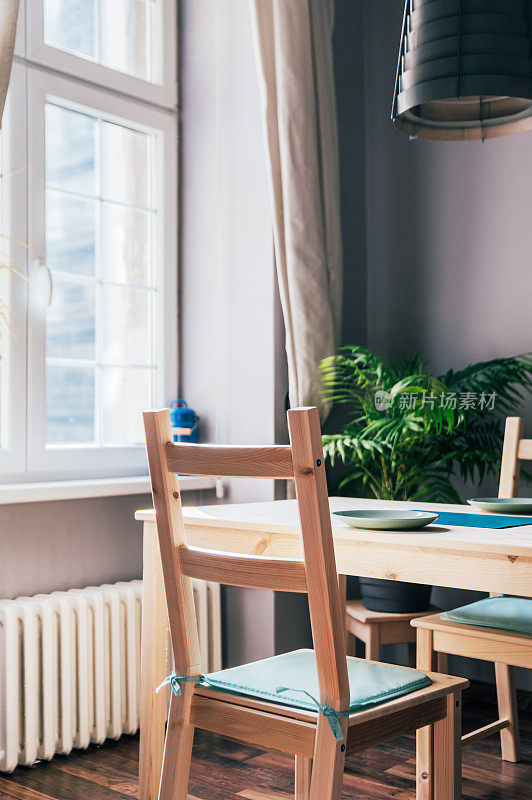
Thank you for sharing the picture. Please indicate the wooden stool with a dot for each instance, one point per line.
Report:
(380, 627)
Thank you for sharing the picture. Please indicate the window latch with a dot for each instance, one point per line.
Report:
(43, 272)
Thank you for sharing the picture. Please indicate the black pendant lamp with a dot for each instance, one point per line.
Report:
(464, 69)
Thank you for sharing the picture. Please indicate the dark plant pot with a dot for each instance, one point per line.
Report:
(394, 596)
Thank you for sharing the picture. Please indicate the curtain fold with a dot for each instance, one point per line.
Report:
(8, 27)
(296, 77)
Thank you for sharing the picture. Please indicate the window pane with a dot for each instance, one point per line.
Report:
(69, 405)
(70, 233)
(125, 244)
(70, 150)
(71, 25)
(127, 37)
(99, 229)
(125, 393)
(70, 327)
(124, 44)
(124, 159)
(125, 325)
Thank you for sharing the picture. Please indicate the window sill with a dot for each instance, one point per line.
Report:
(102, 487)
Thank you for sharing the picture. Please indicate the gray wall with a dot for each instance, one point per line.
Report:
(449, 232)
(449, 237)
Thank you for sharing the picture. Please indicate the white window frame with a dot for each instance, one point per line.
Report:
(14, 226)
(24, 456)
(163, 93)
(44, 86)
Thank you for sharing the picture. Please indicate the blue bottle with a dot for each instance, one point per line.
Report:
(181, 416)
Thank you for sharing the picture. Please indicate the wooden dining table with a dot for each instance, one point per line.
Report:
(484, 559)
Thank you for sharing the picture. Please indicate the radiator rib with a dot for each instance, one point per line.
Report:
(70, 666)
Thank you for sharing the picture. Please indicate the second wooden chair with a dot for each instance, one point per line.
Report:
(497, 629)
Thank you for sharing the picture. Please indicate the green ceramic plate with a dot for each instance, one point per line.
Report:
(504, 505)
(386, 520)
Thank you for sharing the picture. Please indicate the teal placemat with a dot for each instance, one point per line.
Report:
(480, 520)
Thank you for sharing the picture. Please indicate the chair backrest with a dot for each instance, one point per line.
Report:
(514, 450)
(303, 460)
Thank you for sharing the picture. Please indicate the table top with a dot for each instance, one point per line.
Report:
(279, 519)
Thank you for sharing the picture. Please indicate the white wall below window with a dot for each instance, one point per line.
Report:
(67, 544)
(72, 543)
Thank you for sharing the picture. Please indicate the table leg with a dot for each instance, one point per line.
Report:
(153, 667)
(373, 642)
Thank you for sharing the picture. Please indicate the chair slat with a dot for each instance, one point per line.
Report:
(230, 462)
(254, 727)
(510, 466)
(256, 572)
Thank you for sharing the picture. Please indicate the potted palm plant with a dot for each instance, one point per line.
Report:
(409, 434)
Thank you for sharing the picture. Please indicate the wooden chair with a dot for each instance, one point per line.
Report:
(505, 648)
(379, 627)
(308, 734)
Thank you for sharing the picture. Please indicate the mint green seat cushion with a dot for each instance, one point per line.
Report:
(506, 613)
(370, 684)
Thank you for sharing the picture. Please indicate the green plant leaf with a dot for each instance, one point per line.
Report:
(412, 450)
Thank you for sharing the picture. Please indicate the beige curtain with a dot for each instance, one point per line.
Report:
(295, 66)
(8, 27)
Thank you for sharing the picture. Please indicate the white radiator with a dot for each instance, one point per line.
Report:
(70, 666)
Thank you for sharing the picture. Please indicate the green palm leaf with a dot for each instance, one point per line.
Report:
(414, 447)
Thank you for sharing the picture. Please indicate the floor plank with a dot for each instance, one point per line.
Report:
(227, 770)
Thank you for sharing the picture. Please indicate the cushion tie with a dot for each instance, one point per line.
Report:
(175, 682)
(326, 711)
(332, 716)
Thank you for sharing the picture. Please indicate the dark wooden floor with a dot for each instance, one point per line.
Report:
(225, 770)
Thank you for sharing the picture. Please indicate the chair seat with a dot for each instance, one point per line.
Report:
(370, 683)
(506, 613)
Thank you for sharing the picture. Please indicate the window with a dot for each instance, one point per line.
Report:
(13, 287)
(100, 191)
(128, 45)
(121, 35)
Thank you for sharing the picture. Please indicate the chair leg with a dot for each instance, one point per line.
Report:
(442, 660)
(303, 777)
(350, 643)
(448, 751)
(411, 650)
(507, 701)
(373, 643)
(177, 748)
(328, 764)
(425, 736)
